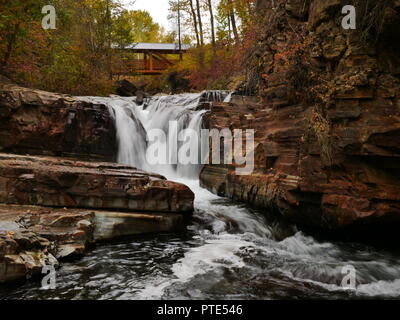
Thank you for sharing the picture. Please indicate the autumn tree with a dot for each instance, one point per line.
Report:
(194, 17)
(76, 57)
(17, 18)
(199, 19)
(211, 12)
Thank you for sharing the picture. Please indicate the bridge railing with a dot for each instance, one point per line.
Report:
(142, 66)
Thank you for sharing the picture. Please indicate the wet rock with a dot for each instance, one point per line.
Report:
(330, 159)
(126, 88)
(32, 237)
(23, 253)
(113, 225)
(57, 182)
(140, 97)
(291, 174)
(60, 228)
(44, 123)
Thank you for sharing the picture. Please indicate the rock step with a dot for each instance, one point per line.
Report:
(32, 237)
(58, 182)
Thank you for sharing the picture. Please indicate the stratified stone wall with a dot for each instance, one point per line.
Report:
(328, 122)
(43, 123)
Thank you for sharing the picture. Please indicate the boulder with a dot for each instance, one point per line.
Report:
(23, 254)
(32, 237)
(126, 88)
(44, 123)
(140, 97)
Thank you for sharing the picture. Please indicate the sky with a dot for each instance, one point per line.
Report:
(157, 8)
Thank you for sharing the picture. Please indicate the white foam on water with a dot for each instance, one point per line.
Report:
(226, 229)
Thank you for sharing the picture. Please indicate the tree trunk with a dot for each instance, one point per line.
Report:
(233, 20)
(179, 28)
(229, 29)
(200, 23)
(10, 45)
(210, 8)
(234, 28)
(196, 30)
(109, 41)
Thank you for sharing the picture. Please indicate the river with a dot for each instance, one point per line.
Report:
(229, 251)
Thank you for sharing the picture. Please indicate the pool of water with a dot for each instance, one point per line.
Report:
(228, 252)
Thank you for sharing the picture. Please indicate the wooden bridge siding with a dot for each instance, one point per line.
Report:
(151, 64)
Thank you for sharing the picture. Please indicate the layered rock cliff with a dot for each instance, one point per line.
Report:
(327, 124)
(56, 204)
(55, 208)
(43, 123)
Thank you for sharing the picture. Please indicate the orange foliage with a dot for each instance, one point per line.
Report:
(208, 68)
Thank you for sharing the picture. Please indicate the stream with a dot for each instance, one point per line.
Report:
(229, 251)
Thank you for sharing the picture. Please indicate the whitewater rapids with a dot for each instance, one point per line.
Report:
(229, 250)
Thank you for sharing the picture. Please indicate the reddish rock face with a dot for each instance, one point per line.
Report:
(57, 182)
(23, 253)
(327, 125)
(54, 207)
(43, 123)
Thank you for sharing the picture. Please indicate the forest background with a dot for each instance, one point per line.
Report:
(77, 57)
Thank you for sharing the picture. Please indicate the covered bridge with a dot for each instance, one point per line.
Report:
(149, 58)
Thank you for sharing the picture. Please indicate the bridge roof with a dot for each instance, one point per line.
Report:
(143, 47)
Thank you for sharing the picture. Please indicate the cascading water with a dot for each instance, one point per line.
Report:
(133, 122)
(229, 250)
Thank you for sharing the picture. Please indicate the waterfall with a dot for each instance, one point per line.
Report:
(229, 250)
(134, 122)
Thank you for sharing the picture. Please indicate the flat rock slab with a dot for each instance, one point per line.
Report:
(57, 182)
